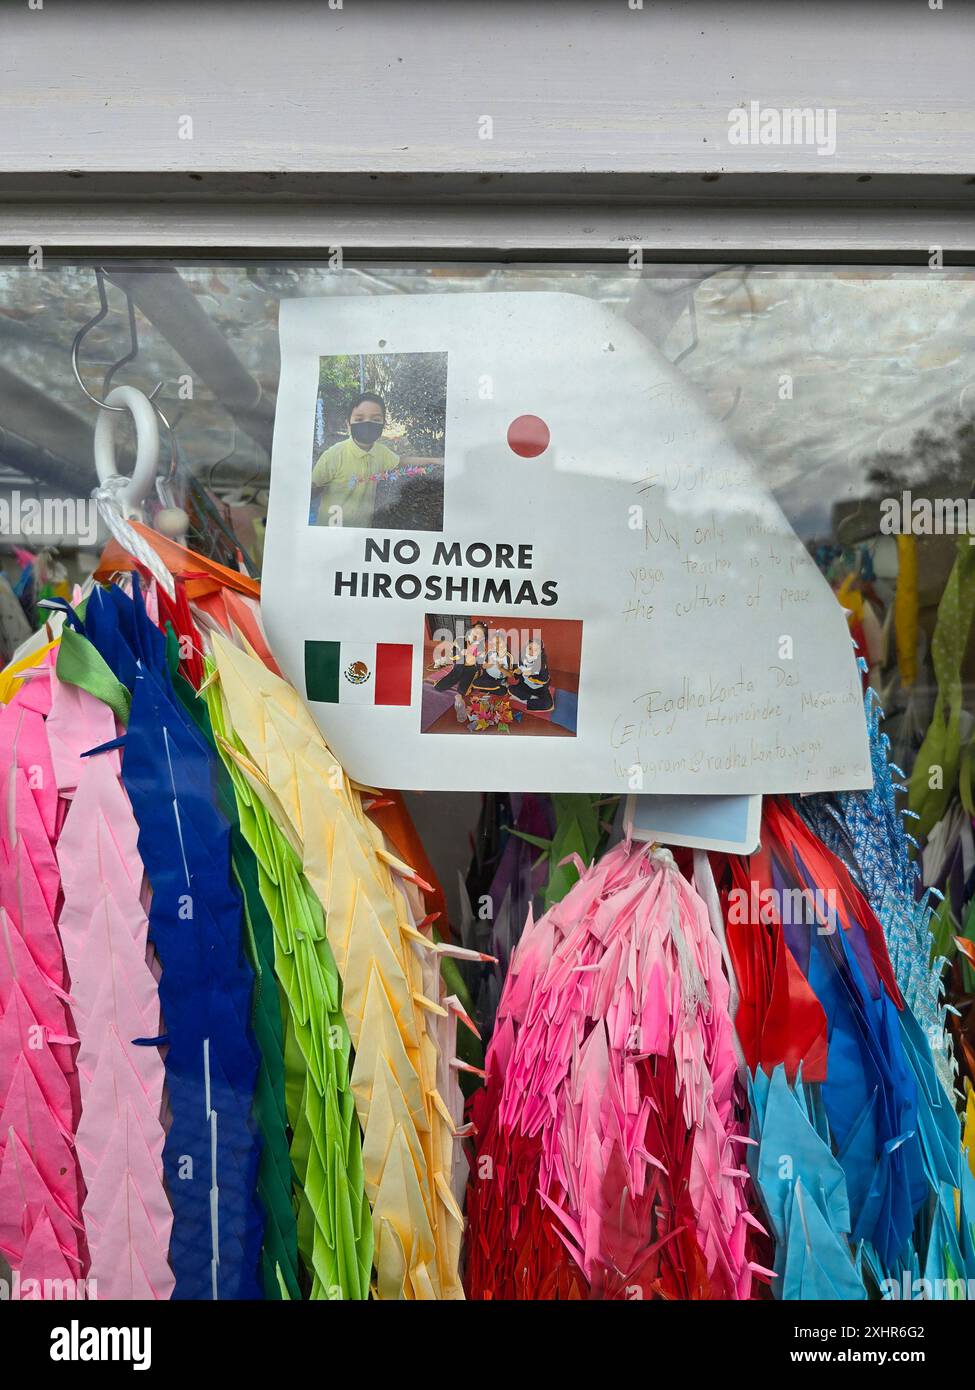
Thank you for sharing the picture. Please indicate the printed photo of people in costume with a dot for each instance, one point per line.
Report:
(500, 675)
(378, 452)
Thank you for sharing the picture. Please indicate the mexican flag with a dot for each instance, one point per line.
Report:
(359, 673)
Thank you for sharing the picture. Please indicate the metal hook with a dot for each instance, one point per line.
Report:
(130, 356)
(256, 487)
(858, 516)
(229, 455)
(82, 334)
(692, 311)
(733, 406)
(241, 487)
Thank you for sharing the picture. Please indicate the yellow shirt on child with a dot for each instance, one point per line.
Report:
(346, 474)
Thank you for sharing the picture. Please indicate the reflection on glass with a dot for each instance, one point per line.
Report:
(848, 389)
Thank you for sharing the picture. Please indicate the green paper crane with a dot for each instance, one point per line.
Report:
(334, 1224)
(941, 759)
(579, 830)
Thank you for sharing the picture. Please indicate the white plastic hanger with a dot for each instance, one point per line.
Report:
(128, 493)
(120, 497)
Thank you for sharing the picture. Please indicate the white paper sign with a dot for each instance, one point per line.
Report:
(508, 548)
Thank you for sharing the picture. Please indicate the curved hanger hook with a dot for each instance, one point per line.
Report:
(226, 457)
(80, 337)
(133, 352)
(250, 489)
(239, 497)
(845, 522)
(130, 356)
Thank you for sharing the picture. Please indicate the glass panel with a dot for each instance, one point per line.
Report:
(823, 375)
(570, 442)
(842, 386)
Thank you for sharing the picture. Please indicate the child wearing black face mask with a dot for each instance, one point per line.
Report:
(346, 475)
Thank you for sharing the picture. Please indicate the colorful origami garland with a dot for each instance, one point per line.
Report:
(609, 1134)
(407, 1125)
(334, 1228)
(41, 1230)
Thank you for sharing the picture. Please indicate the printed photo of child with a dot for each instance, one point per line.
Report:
(378, 457)
(346, 475)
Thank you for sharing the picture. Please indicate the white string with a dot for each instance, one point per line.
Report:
(107, 495)
(694, 989)
(708, 891)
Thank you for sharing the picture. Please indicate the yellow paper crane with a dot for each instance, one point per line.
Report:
(387, 966)
(906, 610)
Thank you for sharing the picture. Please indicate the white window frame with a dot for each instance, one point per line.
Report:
(904, 218)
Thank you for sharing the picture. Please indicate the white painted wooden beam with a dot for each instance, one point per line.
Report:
(569, 85)
(709, 232)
